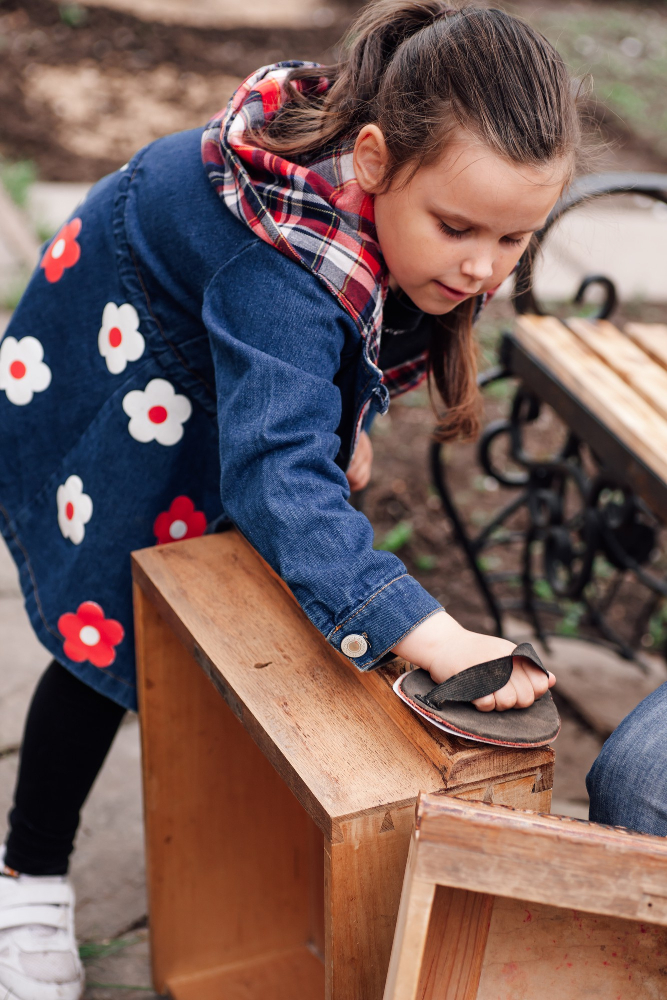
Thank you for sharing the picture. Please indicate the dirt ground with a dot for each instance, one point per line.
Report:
(82, 87)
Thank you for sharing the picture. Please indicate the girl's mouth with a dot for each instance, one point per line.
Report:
(453, 294)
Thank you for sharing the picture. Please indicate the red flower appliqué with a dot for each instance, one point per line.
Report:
(180, 521)
(90, 636)
(63, 251)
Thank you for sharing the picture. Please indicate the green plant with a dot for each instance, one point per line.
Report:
(94, 950)
(569, 623)
(17, 178)
(426, 563)
(657, 627)
(396, 538)
(542, 589)
(73, 14)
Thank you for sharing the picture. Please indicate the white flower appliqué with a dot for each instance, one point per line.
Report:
(75, 509)
(119, 339)
(22, 371)
(157, 413)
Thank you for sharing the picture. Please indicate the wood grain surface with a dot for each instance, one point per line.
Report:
(578, 911)
(204, 781)
(340, 739)
(620, 353)
(615, 403)
(536, 952)
(279, 787)
(652, 338)
(547, 859)
(291, 975)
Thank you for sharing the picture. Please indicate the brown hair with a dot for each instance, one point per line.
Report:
(421, 70)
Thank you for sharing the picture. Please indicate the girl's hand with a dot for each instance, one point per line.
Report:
(444, 648)
(359, 470)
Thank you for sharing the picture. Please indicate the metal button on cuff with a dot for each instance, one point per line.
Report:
(354, 646)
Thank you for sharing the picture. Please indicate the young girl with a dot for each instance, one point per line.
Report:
(202, 343)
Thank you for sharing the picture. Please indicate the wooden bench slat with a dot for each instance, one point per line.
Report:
(652, 338)
(624, 357)
(605, 393)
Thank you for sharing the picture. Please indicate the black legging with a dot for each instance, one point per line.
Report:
(68, 733)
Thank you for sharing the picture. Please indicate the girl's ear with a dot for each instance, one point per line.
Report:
(370, 158)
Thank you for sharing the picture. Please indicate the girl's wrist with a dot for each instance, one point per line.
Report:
(427, 641)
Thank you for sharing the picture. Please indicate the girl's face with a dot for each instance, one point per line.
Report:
(458, 226)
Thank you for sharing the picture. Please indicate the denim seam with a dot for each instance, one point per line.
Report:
(365, 604)
(435, 611)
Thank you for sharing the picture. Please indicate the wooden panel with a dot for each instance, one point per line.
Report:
(536, 952)
(530, 791)
(293, 975)
(455, 946)
(228, 845)
(316, 935)
(546, 859)
(624, 357)
(411, 932)
(363, 880)
(218, 595)
(605, 393)
(652, 338)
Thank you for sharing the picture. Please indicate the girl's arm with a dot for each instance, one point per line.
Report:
(277, 336)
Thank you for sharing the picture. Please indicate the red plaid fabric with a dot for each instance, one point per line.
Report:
(316, 214)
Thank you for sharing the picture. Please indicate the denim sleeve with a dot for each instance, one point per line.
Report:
(276, 337)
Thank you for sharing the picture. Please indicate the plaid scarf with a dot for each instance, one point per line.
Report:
(317, 215)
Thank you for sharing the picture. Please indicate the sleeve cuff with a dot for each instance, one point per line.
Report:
(382, 621)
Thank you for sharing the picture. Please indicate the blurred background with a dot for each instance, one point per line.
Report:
(82, 87)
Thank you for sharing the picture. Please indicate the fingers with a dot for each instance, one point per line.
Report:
(359, 469)
(525, 686)
(506, 697)
(538, 680)
(486, 704)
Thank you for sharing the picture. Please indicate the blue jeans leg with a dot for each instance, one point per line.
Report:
(627, 784)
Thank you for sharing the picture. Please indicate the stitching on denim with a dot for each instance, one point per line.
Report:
(363, 606)
(166, 339)
(367, 666)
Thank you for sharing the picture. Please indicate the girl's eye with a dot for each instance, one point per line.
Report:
(456, 234)
(512, 242)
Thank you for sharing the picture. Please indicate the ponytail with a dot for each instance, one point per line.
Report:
(420, 70)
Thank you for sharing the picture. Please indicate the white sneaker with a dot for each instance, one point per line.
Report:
(39, 958)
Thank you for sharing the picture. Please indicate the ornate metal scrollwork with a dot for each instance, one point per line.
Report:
(572, 514)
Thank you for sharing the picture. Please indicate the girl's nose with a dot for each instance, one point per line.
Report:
(479, 268)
